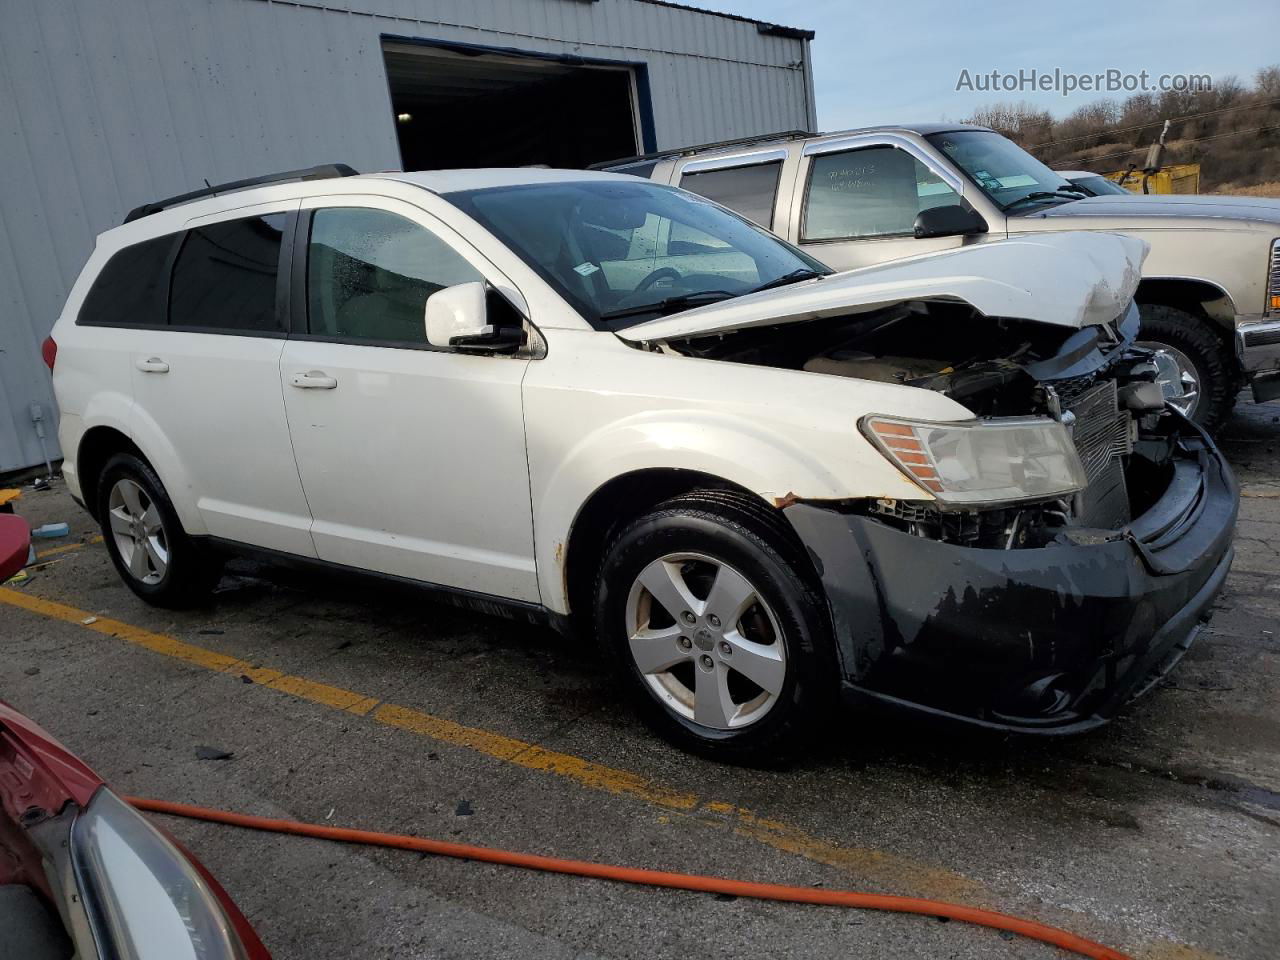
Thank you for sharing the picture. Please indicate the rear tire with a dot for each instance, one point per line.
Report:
(144, 537)
(745, 670)
(1213, 364)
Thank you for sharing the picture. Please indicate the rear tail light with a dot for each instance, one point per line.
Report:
(49, 350)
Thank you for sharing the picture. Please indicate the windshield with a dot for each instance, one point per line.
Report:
(1010, 176)
(626, 251)
(1099, 186)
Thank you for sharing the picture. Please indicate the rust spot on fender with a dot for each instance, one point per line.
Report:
(559, 554)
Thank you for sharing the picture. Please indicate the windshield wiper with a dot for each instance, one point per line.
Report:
(1058, 193)
(670, 304)
(795, 276)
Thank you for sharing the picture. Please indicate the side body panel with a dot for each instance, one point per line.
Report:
(597, 409)
(414, 462)
(1229, 255)
(214, 405)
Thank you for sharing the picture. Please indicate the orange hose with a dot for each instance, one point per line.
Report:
(653, 878)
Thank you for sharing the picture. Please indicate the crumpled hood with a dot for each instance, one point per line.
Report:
(1141, 207)
(1067, 279)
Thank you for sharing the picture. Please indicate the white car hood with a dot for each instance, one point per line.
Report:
(1067, 279)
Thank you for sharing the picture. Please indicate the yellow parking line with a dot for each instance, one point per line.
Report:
(66, 548)
(878, 867)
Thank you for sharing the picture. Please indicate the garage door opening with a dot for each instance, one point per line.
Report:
(463, 107)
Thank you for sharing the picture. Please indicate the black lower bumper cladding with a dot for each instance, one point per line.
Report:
(1052, 640)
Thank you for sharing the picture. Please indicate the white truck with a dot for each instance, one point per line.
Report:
(1209, 293)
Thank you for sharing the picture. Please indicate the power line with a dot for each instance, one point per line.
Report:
(1216, 136)
(1156, 123)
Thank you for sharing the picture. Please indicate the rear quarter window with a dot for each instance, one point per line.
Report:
(225, 277)
(749, 191)
(132, 288)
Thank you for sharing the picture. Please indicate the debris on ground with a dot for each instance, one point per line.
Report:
(213, 753)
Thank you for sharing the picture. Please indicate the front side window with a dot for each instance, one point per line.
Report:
(370, 272)
(225, 277)
(748, 190)
(1014, 179)
(872, 192)
(130, 289)
(624, 251)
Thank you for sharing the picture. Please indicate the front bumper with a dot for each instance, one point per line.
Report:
(1051, 640)
(1258, 348)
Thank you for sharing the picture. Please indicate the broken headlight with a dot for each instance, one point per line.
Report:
(982, 461)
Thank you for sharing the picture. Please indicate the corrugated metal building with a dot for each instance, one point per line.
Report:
(106, 105)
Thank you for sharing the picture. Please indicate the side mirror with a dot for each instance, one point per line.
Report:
(953, 220)
(458, 317)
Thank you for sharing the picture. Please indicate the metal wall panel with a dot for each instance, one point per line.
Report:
(105, 105)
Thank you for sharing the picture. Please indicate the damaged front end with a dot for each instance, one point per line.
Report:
(1056, 566)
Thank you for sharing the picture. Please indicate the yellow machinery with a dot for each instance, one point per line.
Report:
(1175, 178)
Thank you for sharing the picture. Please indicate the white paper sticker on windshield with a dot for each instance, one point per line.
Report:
(585, 269)
(1018, 180)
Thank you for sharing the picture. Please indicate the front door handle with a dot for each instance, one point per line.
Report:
(152, 365)
(313, 380)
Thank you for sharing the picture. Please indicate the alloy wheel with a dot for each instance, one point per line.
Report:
(1177, 375)
(705, 641)
(138, 531)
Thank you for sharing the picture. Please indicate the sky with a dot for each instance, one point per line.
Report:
(880, 62)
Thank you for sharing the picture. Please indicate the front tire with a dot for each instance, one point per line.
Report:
(145, 539)
(1197, 363)
(709, 614)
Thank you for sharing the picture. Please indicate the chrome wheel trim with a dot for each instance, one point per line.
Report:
(722, 629)
(138, 531)
(1177, 375)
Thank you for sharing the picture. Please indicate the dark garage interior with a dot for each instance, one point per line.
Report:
(464, 107)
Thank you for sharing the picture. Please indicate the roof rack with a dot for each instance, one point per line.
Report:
(323, 171)
(683, 151)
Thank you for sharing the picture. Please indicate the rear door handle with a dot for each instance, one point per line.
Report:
(313, 380)
(152, 365)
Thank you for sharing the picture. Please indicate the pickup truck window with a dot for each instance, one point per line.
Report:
(622, 252)
(748, 190)
(1011, 177)
(870, 192)
(370, 272)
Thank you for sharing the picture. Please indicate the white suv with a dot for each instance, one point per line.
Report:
(948, 485)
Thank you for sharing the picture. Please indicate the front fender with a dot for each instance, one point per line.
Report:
(720, 445)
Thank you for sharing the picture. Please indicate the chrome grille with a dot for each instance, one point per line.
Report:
(1101, 430)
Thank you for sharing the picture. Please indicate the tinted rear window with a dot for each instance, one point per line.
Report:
(746, 190)
(130, 290)
(225, 276)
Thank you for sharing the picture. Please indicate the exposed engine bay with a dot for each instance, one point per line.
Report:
(1092, 380)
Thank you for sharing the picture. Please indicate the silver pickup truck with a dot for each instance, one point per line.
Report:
(1210, 289)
